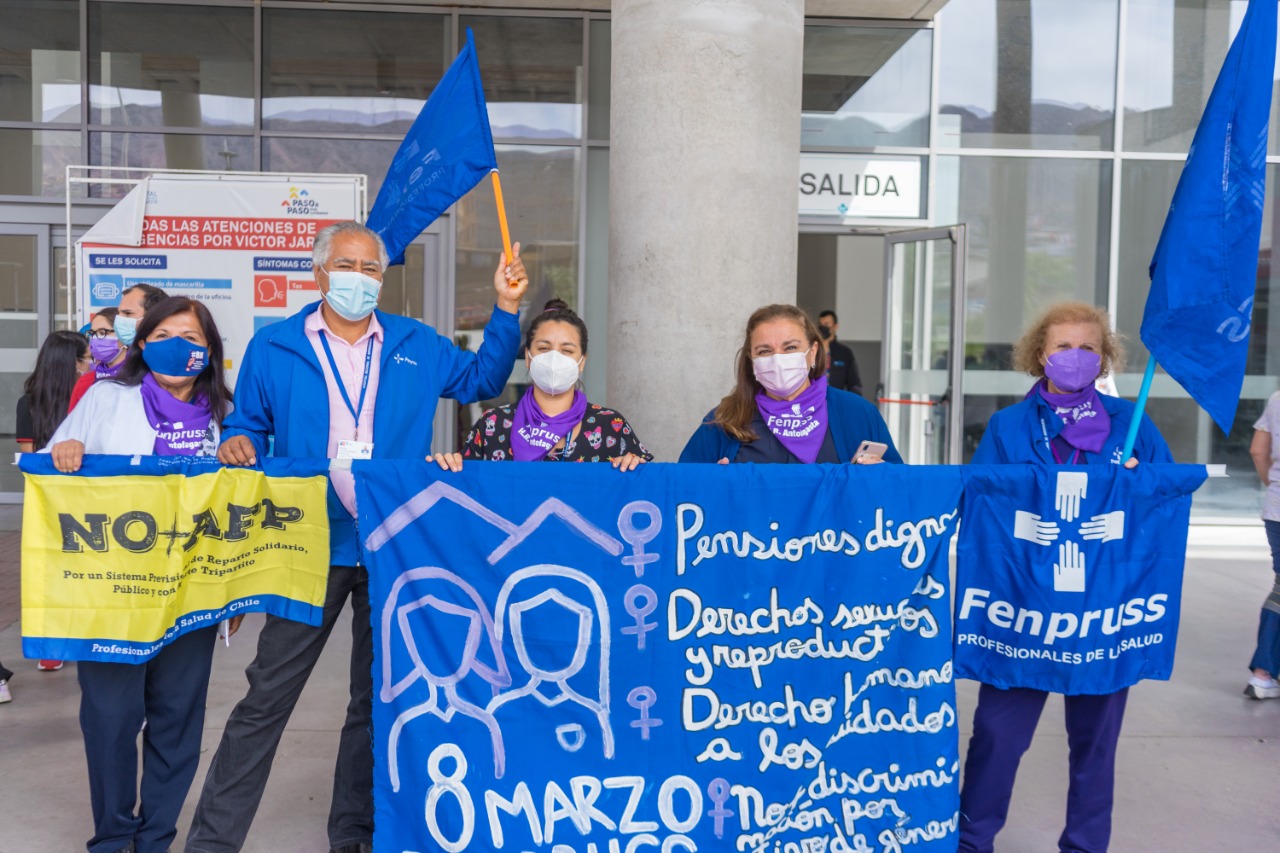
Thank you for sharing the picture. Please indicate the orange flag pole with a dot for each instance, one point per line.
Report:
(502, 215)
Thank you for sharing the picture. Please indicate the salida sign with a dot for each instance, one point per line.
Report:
(855, 187)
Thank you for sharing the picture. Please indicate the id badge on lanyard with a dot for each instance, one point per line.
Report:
(354, 448)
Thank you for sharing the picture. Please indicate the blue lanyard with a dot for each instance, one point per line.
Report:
(342, 387)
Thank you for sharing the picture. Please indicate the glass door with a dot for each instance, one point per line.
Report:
(924, 329)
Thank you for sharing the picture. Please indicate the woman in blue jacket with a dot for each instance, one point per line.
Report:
(1062, 421)
(782, 409)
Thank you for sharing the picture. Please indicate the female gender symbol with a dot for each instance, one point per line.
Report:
(638, 538)
(718, 791)
(640, 601)
(642, 698)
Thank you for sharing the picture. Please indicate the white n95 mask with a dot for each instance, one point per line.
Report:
(553, 372)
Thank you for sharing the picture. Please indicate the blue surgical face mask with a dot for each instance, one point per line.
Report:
(175, 357)
(126, 328)
(352, 294)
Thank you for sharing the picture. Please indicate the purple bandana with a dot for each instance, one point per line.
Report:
(106, 371)
(1085, 422)
(179, 426)
(800, 424)
(533, 434)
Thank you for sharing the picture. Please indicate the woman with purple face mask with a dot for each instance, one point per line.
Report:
(108, 353)
(782, 409)
(1063, 420)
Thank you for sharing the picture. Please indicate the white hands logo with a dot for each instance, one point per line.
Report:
(1068, 572)
(1028, 526)
(1072, 488)
(1107, 527)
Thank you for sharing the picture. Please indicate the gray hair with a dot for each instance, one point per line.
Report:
(320, 250)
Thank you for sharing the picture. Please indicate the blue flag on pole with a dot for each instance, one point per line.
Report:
(446, 152)
(1204, 270)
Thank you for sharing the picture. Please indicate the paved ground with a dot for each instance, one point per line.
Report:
(1198, 762)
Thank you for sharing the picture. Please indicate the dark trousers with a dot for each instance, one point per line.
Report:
(168, 692)
(5, 674)
(1003, 727)
(1266, 656)
(287, 652)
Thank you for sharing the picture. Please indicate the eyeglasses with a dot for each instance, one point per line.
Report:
(102, 333)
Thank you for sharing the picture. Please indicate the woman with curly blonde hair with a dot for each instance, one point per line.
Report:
(1062, 421)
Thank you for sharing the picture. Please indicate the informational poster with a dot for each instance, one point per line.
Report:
(239, 244)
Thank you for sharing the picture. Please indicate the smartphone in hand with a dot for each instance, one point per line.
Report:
(870, 451)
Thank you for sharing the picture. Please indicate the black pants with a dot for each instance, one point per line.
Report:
(168, 692)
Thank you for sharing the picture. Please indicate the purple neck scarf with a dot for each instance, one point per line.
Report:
(106, 371)
(179, 426)
(800, 424)
(534, 434)
(1085, 422)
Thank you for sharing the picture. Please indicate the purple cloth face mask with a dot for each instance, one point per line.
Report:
(104, 350)
(1073, 369)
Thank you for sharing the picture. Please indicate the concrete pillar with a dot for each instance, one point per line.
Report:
(703, 199)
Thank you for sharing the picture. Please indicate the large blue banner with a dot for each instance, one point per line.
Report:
(568, 658)
(1070, 579)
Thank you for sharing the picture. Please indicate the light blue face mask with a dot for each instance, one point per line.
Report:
(353, 295)
(126, 328)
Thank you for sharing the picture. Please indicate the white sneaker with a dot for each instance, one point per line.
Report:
(1262, 688)
(5, 695)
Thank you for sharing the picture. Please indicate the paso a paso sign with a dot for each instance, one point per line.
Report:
(858, 187)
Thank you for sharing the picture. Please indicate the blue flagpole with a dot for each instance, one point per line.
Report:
(1139, 408)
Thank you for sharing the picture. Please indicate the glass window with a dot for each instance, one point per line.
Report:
(599, 100)
(532, 71)
(1039, 232)
(40, 61)
(595, 309)
(170, 66)
(1174, 52)
(866, 86)
(171, 151)
(1028, 74)
(540, 187)
(35, 161)
(339, 156)
(316, 76)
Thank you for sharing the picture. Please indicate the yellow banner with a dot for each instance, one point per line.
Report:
(129, 553)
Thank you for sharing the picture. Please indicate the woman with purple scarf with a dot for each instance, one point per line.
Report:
(553, 422)
(168, 399)
(1063, 420)
(782, 409)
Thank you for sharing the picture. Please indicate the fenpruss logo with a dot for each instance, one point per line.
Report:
(1072, 489)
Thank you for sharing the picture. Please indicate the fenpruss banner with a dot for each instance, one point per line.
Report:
(1069, 580)
(240, 244)
(131, 552)
(696, 657)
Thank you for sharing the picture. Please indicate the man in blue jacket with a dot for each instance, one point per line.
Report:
(373, 380)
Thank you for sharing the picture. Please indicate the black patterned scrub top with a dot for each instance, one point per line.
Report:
(602, 435)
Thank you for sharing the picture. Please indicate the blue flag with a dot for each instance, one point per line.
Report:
(446, 152)
(684, 657)
(1069, 579)
(1204, 271)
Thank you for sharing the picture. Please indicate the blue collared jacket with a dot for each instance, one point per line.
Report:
(1023, 433)
(281, 392)
(853, 421)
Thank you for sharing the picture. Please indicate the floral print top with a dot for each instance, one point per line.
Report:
(603, 435)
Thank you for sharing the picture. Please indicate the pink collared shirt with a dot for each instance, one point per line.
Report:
(350, 359)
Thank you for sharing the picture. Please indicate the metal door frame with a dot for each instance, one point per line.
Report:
(958, 235)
